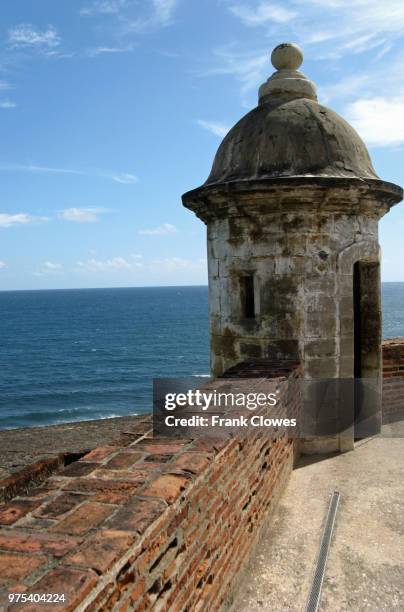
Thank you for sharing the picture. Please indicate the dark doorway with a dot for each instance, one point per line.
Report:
(367, 348)
(357, 321)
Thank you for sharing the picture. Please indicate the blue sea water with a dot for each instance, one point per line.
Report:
(92, 353)
(71, 355)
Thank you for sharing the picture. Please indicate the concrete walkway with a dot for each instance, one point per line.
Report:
(365, 568)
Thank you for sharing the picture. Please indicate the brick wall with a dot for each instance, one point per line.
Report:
(393, 378)
(150, 523)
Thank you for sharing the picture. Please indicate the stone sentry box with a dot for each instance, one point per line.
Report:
(292, 206)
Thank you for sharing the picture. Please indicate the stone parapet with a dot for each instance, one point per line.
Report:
(146, 523)
(28, 455)
(393, 379)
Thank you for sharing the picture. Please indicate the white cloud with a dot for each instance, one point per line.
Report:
(364, 27)
(104, 7)
(162, 230)
(115, 263)
(7, 104)
(159, 13)
(94, 51)
(218, 129)
(3, 265)
(262, 13)
(7, 220)
(164, 10)
(26, 35)
(366, 84)
(50, 265)
(49, 268)
(344, 88)
(4, 85)
(361, 23)
(134, 264)
(250, 68)
(372, 16)
(378, 120)
(38, 169)
(171, 264)
(364, 89)
(82, 215)
(125, 179)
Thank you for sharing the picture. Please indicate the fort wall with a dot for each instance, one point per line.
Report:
(393, 379)
(162, 524)
(144, 523)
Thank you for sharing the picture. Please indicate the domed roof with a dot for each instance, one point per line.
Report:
(298, 137)
(289, 134)
(289, 141)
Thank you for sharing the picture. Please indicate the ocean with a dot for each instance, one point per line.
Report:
(71, 355)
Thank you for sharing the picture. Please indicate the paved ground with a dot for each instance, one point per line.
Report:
(365, 569)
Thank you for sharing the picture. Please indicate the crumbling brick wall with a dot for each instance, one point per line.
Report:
(393, 377)
(150, 524)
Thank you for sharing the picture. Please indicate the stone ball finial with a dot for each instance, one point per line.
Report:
(287, 56)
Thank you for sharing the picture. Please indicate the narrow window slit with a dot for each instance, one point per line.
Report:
(247, 286)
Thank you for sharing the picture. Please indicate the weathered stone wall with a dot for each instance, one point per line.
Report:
(301, 257)
(150, 523)
(393, 378)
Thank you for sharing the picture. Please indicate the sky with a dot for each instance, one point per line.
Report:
(111, 109)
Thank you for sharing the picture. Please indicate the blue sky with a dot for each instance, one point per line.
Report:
(111, 109)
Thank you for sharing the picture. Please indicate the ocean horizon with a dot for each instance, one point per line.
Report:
(69, 355)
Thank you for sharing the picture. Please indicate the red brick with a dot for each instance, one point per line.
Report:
(43, 492)
(209, 445)
(18, 588)
(102, 549)
(170, 569)
(145, 604)
(30, 522)
(17, 567)
(93, 485)
(10, 513)
(137, 515)
(169, 487)
(98, 454)
(152, 551)
(37, 542)
(98, 603)
(73, 583)
(192, 462)
(136, 476)
(116, 498)
(157, 459)
(137, 592)
(32, 474)
(160, 449)
(83, 519)
(180, 517)
(178, 590)
(123, 460)
(60, 505)
(79, 468)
